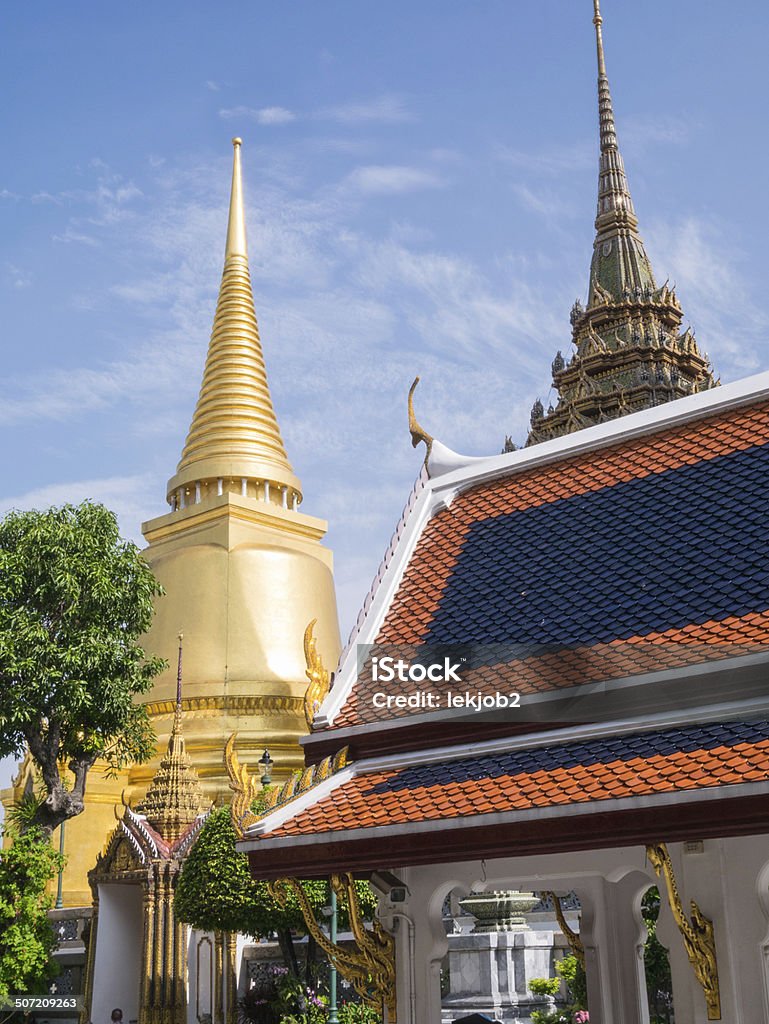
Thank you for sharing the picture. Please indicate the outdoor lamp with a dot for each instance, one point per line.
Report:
(266, 762)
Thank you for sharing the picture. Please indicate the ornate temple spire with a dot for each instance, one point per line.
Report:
(619, 259)
(630, 353)
(175, 798)
(234, 443)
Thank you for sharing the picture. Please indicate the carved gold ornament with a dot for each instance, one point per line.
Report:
(370, 968)
(244, 786)
(418, 433)
(572, 937)
(320, 681)
(699, 940)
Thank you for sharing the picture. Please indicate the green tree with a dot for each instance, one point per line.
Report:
(217, 893)
(659, 983)
(74, 598)
(27, 940)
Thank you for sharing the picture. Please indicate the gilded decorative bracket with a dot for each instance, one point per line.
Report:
(572, 937)
(320, 680)
(418, 433)
(699, 940)
(244, 786)
(370, 968)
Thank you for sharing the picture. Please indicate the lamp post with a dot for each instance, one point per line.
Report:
(60, 884)
(333, 1018)
(266, 763)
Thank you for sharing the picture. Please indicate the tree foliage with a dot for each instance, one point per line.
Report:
(217, 893)
(27, 939)
(659, 983)
(74, 598)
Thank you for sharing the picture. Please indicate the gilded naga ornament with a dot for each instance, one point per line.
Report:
(320, 680)
(245, 788)
(370, 968)
(572, 937)
(418, 433)
(699, 940)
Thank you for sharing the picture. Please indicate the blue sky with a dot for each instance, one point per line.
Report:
(420, 184)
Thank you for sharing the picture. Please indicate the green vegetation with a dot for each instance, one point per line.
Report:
(216, 893)
(74, 598)
(27, 940)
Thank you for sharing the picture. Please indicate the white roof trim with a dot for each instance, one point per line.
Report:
(452, 473)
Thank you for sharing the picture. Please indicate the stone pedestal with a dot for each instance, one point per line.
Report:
(489, 973)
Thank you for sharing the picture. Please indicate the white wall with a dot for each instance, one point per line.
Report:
(117, 968)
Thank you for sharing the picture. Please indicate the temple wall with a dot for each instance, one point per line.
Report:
(118, 963)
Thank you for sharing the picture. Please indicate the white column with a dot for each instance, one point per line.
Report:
(613, 934)
(729, 879)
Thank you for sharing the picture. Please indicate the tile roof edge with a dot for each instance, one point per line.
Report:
(491, 819)
(731, 712)
(508, 744)
(292, 808)
(417, 512)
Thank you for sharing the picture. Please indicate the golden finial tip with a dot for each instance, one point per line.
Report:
(237, 142)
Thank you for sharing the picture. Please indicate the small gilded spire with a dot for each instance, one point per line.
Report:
(234, 443)
(179, 677)
(174, 798)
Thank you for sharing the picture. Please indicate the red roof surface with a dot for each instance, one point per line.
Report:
(695, 758)
(733, 620)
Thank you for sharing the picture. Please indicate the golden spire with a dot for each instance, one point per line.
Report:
(175, 798)
(234, 443)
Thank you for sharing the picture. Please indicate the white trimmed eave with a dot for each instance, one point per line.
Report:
(451, 473)
(505, 745)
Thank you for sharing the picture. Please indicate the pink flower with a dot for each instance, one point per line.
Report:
(581, 1017)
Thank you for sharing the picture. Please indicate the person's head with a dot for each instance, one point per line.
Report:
(117, 1015)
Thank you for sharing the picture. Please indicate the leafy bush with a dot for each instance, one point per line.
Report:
(545, 986)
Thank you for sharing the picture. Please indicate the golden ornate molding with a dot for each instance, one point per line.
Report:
(320, 680)
(370, 968)
(698, 936)
(245, 704)
(572, 937)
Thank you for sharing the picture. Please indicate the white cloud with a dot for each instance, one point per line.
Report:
(263, 115)
(212, 86)
(70, 235)
(708, 270)
(390, 180)
(129, 497)
(17, 277)
(387, 109)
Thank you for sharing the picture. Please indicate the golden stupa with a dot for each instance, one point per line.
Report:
(243, 571)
